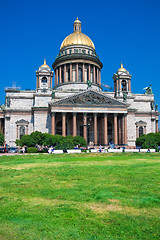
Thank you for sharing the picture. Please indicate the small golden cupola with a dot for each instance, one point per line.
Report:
(121, 69)
(44, 65)
(77, 25)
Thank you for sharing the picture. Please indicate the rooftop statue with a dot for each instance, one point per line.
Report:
(148, 90)
(125, 96)
(89, 83)
(53, 94)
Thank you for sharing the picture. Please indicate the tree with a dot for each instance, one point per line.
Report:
(38, 137)
(28, 141)
(150, 140)
(78, 140)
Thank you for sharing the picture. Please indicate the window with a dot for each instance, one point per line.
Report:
(22, 131)
(79, 74)
(44, 80)
(140, 131)
(124, 85)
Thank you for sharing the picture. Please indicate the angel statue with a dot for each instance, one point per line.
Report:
(53, 94)
(89, 83)
(148, 90)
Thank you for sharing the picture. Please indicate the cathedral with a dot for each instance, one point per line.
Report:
(76, 104)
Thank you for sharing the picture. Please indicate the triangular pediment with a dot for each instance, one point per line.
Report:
(90, 98)
(22, 121)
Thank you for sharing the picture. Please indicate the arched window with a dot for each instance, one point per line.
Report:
(22, 131)
(140, 131)
(124, 85)
(44, 80)
(80, 74)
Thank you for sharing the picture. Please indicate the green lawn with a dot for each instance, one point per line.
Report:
(86, 196)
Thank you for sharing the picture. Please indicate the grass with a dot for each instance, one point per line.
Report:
(86, 196)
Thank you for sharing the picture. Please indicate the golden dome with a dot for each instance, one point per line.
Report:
(44, 65)
(121, 69)
(77, 21)
(77, 37)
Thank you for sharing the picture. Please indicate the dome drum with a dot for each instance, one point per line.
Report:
(77, 61)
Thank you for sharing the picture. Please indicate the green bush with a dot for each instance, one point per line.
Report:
(151, 140)
(38, 137)
(65, 143)
(44, 150)
(32, 150)
(78, 140)
(28, 141)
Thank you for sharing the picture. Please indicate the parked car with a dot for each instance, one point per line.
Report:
(2, 150)
(13, 150)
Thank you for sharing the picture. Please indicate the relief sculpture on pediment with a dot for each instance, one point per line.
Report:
(88, 99)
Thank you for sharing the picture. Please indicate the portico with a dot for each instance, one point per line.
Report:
(92, 126)
(97, 118)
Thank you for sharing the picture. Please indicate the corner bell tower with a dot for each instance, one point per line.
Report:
(122, 82)
(44, 77)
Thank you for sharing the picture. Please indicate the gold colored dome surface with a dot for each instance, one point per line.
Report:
(44, 65)
(77, 21)
(77, 38)
(121, 69)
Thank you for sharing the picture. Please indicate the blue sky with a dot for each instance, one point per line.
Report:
(127, 31)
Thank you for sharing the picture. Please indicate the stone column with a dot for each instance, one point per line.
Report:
(137, 132)
(94, 74)
(144, 129)
(89, 72)
(125, 129)
(60, 75)
(119, 132)
(122, 121)
(51, 82)
(65, 80)
(120, 85)
(115, 129)
(63, 124)
(71, 79)
(27, 130)
(53, 118)
(76, 72)
(105, 130)
(95, 128)
(74, 125)
(83, 72)
(56, 77)
(17, 131)
(156, 126)
(97, 76)
(37, 82)
(117, 84)
(85, 126)
(129, 85)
